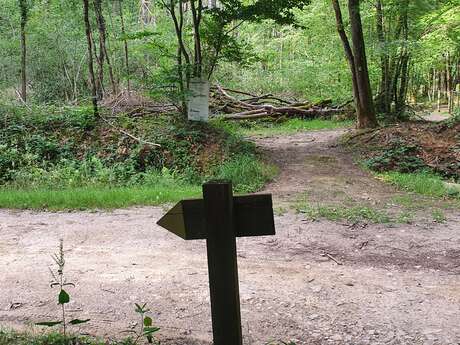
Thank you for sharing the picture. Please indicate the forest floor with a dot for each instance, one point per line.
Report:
(396, 279)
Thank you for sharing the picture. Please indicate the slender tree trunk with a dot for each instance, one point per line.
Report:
(24, 14)
(182, 54)
(457, 87)
(367, 117)
(125, 44)
(449, 84)
(103, 55)
(196, 17)
(348, 54)
(402, 93)
(90, 56)
(384, 104)
(439, 89)
(103, 37)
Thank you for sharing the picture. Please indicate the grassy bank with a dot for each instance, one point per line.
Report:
(65, 158)
(94, 197)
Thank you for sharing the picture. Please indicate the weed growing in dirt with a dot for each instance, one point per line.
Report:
(438, 216)
(63, 297)
(406, 217)
(146, 329)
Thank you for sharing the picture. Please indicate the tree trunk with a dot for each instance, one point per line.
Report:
(90, 56)
(24, 13)
(103, 56)
(182, 53)
(439, 89)
(449, 85)
(196, 17)
(125, 44)
(366, 117)
(384, 104)
(348, 54)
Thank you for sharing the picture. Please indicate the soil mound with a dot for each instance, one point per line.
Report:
(411, 146)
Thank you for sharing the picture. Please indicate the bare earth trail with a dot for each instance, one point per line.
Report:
(397, 284)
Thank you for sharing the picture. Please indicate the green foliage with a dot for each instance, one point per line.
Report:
(246, 172)
(400, 157)
(64, 158)
(146, 329)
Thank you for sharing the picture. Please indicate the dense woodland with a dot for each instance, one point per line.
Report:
(96, 90)
(346, 112)
(289, 48)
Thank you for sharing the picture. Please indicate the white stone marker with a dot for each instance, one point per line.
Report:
(198, 100)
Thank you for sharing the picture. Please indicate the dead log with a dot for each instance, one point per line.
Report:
(278, 112)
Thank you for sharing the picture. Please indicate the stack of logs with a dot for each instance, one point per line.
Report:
(256, 107)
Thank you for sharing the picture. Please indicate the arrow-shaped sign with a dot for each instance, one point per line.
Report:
(253, 216)
(219, 218)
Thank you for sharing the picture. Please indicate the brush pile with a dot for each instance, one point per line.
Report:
(412, 146)
(250, 106)
(133, 104)
(222, 103)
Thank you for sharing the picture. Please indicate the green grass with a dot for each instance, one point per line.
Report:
(267, 128)
(9, 337)
(438, 216)
(54, 338)
(421, 183)
(247, 173)
(94, 197)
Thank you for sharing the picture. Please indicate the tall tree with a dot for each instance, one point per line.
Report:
(357, 60)
(24, 9)
(394, 55)
(103, 53)
(90, 56)
(125, 44)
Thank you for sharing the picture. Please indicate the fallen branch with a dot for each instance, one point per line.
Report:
(122, 131)
(333, 259)
(258, 107)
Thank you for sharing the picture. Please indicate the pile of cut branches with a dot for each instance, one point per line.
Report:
(411, 146)
(250, 106)
(134, 104)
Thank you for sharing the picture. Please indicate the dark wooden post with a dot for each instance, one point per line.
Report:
(222, 263)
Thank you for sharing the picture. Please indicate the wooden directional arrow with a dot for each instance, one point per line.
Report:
(253, 216)
(219, 218)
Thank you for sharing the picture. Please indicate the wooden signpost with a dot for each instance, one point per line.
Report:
(219, 218)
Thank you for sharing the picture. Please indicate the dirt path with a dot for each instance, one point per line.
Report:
(398, 284)
(438, 115)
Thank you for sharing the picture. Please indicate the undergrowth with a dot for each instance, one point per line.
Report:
(62, 158)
